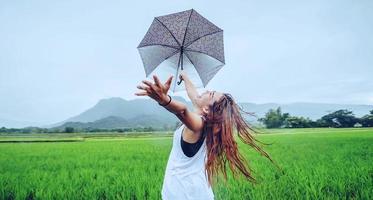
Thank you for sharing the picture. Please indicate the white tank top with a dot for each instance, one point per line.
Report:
(185, 177)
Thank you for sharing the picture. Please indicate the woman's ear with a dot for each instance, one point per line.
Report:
(205, 110)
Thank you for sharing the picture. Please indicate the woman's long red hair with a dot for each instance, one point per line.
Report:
(221, 122)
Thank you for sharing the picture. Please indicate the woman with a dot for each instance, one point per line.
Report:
(204, 143)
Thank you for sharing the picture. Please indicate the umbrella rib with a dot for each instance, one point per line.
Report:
(186, 28)
(204, 53)
(168, 31)
(173, 53)
(164, 45)
(203, 36)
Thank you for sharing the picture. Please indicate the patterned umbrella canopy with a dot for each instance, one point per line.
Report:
(183, 41)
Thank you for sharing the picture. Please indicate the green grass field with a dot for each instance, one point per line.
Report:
(318, 164)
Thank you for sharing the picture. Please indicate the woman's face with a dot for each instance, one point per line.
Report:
(208, 98)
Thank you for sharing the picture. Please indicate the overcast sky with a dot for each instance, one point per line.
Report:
(58, 58)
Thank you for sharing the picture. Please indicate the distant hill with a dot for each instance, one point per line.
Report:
(113, 122)
(120, 113)
(132, 113)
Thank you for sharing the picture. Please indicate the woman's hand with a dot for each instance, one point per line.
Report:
(156, 90)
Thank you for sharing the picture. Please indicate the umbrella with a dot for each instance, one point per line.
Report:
(183, 41)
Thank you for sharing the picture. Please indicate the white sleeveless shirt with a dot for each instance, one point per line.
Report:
(185, 177)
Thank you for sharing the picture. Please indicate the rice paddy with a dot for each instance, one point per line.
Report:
(317, 164)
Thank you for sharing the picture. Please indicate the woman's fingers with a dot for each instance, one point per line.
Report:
(157, 82)
(141, 93)
(168, 82)
(153, 89)
(148, 83)
(143, 87)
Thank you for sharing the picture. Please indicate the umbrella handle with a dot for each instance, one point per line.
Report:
(180, 64)
(179, 81)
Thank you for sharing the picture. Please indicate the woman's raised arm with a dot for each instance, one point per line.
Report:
(190, 88)
(158, 92)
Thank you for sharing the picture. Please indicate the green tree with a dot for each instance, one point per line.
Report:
(340, 118)
(321, 123)
(69, 130)
(119, 130)
(298, 122)
(3, 130)
(148, 129)
(274, 118)
(367, 120)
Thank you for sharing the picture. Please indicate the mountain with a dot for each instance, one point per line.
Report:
(114, 122)
(119, 113)
(141, 112)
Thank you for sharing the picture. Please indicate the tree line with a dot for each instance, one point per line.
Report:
(274, 118)
(343, 118)
(69, 129)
